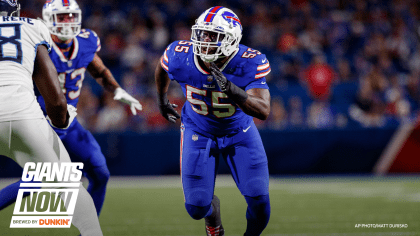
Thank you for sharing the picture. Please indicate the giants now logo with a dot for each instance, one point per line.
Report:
(52, 203)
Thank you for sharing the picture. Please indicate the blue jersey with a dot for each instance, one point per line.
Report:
(207, 107)
(71, 69)
(79, 142)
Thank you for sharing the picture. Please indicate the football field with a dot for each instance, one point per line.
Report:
(318, 206)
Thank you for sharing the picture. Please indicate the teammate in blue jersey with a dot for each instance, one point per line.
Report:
(74, 52)
(225, 88)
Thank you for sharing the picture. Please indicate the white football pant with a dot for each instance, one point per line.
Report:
(33, 140)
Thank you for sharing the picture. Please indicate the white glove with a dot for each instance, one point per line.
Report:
(123, 96)
(71, 110)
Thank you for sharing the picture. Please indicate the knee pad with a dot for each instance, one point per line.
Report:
(198, 203)
(199, 198)
(197, 212)
(256, 187)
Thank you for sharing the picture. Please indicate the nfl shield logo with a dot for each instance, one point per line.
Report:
(195, 137)
(209, 78)
(69, 63)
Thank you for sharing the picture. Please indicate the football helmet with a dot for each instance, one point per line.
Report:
(9, 8)
(216, 33)
(63, 18)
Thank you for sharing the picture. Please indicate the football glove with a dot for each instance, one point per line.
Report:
(123, 96)
(235, 93)
(167, 109)
(71, 114)
(220, 78)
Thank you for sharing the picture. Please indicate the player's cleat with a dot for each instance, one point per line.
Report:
(214, 221)
(215, 231)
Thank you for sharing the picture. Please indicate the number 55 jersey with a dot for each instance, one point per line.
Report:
(19, 41)
(207, 107)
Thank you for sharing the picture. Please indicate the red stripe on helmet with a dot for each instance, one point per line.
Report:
(211, 13)
(66, 3)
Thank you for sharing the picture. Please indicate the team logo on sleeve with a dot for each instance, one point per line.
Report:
(49, 206)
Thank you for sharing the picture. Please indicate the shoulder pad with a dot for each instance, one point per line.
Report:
(174, 52)
(255, 59)
(44, 33)
(91, 37)
(180, 46)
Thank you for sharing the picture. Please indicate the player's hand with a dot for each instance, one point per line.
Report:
(123, 96)
(71, 114)
(167, 109)
(220, 78)
(238, 95)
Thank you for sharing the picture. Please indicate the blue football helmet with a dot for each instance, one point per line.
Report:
(9, 8)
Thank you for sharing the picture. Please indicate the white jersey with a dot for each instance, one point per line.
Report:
(19, 40)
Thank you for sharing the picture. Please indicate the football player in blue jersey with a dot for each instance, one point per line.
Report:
(74, 52)
(225, 88)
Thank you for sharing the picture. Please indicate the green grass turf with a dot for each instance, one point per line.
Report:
(300, 206)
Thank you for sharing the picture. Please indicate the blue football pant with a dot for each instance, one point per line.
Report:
(82, 147)
(245, 155)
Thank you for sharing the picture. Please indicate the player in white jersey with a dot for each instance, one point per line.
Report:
(25, 135)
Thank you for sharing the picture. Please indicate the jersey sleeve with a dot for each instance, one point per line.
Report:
(166, 59)
(45, 36)
(262, 69)
(89, 43)
(98, 41)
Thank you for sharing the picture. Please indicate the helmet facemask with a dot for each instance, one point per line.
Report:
(63, 18)
(65, 25)
(208, 43)
(216, 39)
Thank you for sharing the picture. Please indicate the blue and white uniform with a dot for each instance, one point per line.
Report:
(212, 124)
(71, 68)
(79, 142)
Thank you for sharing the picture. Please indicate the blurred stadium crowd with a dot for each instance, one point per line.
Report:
(335, 63)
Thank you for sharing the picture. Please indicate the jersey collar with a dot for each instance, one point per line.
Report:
(73, 55)
(199, 68)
